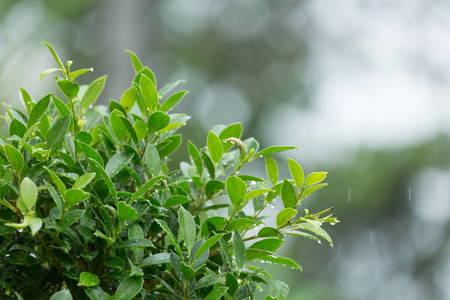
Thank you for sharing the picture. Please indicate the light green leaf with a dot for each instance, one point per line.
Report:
(274, 149)
(27, 101)
(239, 250)
(129, 98)
(73, 197)
(187, 227)
(215, 223)
(237, 190)
(57, 133)
(96, 293)
(149, 93)
(29, 192)
(77, 73)
(315, 177)
(232, 130)
(172, 101)
(57, 181)
(56, 197)
(157, 121)
(35, 225)
(176, 200)
(55, 56)
(93, 92)
(83, 180)
(148, 185)
(88, 279)
(126, 212)
(255, 193)
(152, 160)
(119, 130)
(288, 194)
(115, 163)
(48, 71)
(317, 230)
(195, 154)
(270, 232)
(240, 223)
(279, 289)
(38, 110)
(285, 216)
(62, 295)
(215, 147)
(310, 190)
(283, 261)
(271, 169)
(141, 129)
(296, 172)
(129, 127)
(216, 293)
(17, 128)
(15, 158)
(136, 243)
(91, 153)
(69, 88)
(208, 244)
(137, 65)
(168, 87)
(155, 259)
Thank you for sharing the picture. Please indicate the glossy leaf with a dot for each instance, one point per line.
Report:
(119, 130)
(69, 88)
(237, 190)
(285, 216)
(129, 98)
(315, 177)
(216, 293)
(148, 185)
(240, 223)
(208, 244)
(62, 295)
(270, 232)
(17, 128)
(38, 110)
(274, 149)
(15, 158)
(157, 121)
(317, 230)
(88, 279)
(57, 133)
(288, 194)
(115, 163)
(176, 200)
(232, 130)
(130, 129)
(152, 160)
(35, 225)
(215, 147)
(126, 212)
(172, 101)
(187, 227)
(149, 93)
(195, 155)
(93, 92)
(73, 197)
(75, 74)
(239, 250)
(271, 169)
(128, 288)
(311, 189)
(209, 164)
(172, 238)
(212, 187)
(29, 192)
(279, 289)
(141, 129)
(27, 101)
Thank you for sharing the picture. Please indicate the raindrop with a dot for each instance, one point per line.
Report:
(371, 238)
(262, 261)
(237, 173)
(319, 242)
(349, 195)
(20, 230)
(260, 156)
(91, 106)
(272, 206)
(252, 182)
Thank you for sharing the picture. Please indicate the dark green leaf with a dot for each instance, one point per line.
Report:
(57, 133)
(157, 121)
(239, 250)
(57, 181)
(129, 288)
(156, 259)
(231, 283)
(91, 153)
(176, 200)
(288, 194)
(172, 238)
(208, 244)
(213, 187)
(172, 101)
(17, 128)
(240, 223)
(187, 227)
(71, 217)
(195, 154)
(174, 143)
(208, 280)
(137, 243)
(270, 232)
(213, 223)
(209, 164)
(115, 163)
(97, 167)
(270, 244)
(217, 293)
(119, 130)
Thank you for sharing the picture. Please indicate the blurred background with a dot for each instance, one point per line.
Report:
(361, 86)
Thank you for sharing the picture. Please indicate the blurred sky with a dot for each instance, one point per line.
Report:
(361, 86)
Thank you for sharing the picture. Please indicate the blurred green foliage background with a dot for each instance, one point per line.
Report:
(360, 86)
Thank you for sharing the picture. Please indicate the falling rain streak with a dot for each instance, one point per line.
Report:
(349, 195)
(371, 238)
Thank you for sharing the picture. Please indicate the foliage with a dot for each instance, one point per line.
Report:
(91, 210)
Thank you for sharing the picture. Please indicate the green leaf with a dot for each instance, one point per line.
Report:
(137, 243)
(88, 279)
(226, 252)
(91, 153)
(240, 223)
(73, 197)
(157, 121)
(209, 164)
(149, 93)
(208, 244)
(77, 73)
(255, 193)
(141, 129)
(279, 289)
(35, 225)
(38, 110)
(315, 177)
(173, 143)
(15, 158)
(126, 212)
(56, 198)
(288, 194)
(156, 259)
(57, 181)
(93, 92)
(17, 128)
(176, 200)
(168, 87)
(296, 172)
(212, 187)
(62, 108)
(283, 261)
(195, 154)
(96, 293)
(128, 288)
(136, 233)
(187, 227)
(69, 88)
(310, 190)
(269, 232)
(83, 180)
(129, 127)
(129, 98)
(152, 160)
(115, 163)
(216, 293)
(208, 280)
(172, 238)
(137, 65)
(237, 190)
(49, 71)
(56, 57)
(213, 224)
(215, 147)
(119, 130)
(231, 283)
(62, 295)
(27, 101)
(232, 130)
(147, 72)
(57, 133)
(285, 216)
(29, 192)
(271, 169)
(317, 230)
(270, 244)
(172, 101)
(239, 250)
(145, 188)
(274, 149)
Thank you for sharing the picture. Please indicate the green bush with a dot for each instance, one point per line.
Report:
(90, 209)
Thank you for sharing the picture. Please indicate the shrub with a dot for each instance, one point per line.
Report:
(91, 209)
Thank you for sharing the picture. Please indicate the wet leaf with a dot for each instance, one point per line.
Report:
(29, 192)
(239, 250)
(93, 92)
(237, 190)
(285, 216)
(88, 279)
(288, 194)
(215, 147)
(172, 101)
(296, 172)
(57, 133)
(187, 227)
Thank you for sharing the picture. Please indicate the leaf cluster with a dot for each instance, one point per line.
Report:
(91, 210)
